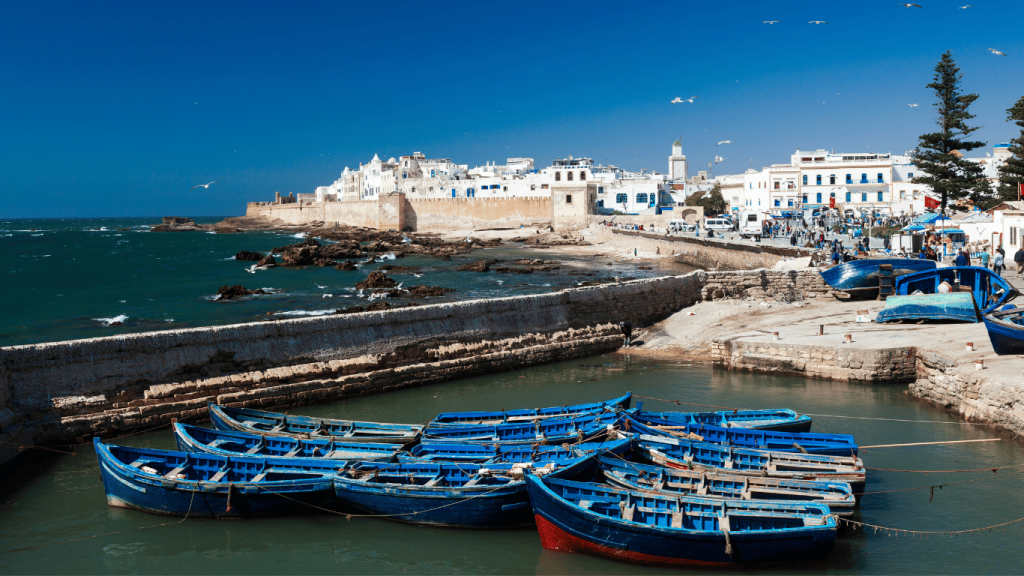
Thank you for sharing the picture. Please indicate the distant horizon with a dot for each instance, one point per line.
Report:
(121, 106)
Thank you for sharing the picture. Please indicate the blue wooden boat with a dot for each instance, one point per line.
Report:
(230, 443)
(512, 453)
(838, 496)
(780, 420)
(860, 277)
(954, 307)
(179, 483)
(455, 494)
(1006, 330)
(673, 530)
(990, 290)
(693, 455)
(528, 415)
(584, 428)
(275, 424)
(803, 442)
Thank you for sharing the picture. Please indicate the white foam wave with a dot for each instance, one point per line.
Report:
(299, 235)
(108, 321)
(305, 312)
(168, 319)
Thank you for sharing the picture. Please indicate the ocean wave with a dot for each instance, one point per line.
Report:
(168, 319)
(305, 312)
(115, 320)
(299, 235)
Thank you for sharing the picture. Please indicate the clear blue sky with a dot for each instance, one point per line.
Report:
(116, 109)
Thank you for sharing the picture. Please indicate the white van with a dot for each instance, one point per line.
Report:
(718, 224)
(750, 224)
(679, 226)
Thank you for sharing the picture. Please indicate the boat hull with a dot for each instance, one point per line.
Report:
(767, 420)
(953, 307)
(827, 444)
(860, 277)
(566, 527)
(528, 415)
(990, 290)
(1006, 336)
(276, 424)
(198, 440)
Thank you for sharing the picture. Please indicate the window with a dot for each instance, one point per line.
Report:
(543, 186)
(819, 198)
(600, 203)
(414, 189)
(600, 189)
(863, 196)
(831, 178)
(910, 174)
(453, 192)
(558, 176)
(879, 196)
(777, 203)
(641, 198)
(504, 188)
(805, 179)
(568, 197)
(903, 194)
(849, 178)
(431, 173)
(777, 185)
(583, 175)
(568, 176)
(848, 195)
(881, 180)
(620, 198)
(805, 199)
(818, 180)
(403, 175)
(533, 186)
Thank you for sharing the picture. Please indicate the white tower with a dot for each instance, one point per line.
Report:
(677, 162)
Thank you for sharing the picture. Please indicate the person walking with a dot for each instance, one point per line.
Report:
(1018, 259)
(997, 262)
(985, 258)
(962, 259)
(627, 333)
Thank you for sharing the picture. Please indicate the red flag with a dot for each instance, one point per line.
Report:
(930, 202)
(832, 202)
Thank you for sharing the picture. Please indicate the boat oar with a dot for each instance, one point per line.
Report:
(932, 443)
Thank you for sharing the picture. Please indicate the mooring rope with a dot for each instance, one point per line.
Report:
(940, 486)
(899, 420)
(189, 511)
(924, 533)
(993, 470)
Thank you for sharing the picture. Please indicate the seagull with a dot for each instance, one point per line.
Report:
(913, 105)
(997, 52)
(399, 287)
(770, 22)
(406, 240)
(909, 5)
(418, 275)
(690, 100)
(361, 295)
(319, 286)
(204, 185)
(676, 100)
(724, 142)
(966, 7)
(817, 22)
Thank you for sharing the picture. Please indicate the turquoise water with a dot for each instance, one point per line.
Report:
(49, 499)
(68, 279)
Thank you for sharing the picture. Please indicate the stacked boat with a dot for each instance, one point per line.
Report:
(666, 488)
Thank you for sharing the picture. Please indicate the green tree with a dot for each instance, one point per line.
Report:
(950, 175)
(712, 200)
(1011, 173)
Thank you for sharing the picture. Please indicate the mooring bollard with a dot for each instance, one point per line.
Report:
(848, 339)
(775, 335)
(821, 329)
(970, 346)
(979, 365)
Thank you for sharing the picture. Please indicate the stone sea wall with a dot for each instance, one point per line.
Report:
(890, 365)
(970, 393)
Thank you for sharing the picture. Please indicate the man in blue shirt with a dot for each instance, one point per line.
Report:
(962, 259)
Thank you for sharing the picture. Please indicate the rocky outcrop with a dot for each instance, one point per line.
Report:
(236, 291)
(400, 269)
(421, 291)
(247, 256)
(267, 261)
(477, 266)
(179, 224)
(346, 265)
(376, 279)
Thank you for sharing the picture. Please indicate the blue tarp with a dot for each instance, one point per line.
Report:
(914, 228)
(929, 218)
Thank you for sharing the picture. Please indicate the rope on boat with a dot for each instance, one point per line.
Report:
(351, 516)
(923, 533)
(189, 511)
(939, 486)
(899, 420)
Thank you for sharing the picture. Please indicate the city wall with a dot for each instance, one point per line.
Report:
(710, 254)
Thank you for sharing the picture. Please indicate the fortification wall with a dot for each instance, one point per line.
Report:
(448, 214)
(289, 213)
(353, 213)
(701, 252)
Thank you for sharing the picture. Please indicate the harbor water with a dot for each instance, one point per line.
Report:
(85, 278)
(54, 517)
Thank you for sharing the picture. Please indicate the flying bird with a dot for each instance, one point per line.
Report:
(204, 185)
(966, 7)
(677, 100)
(909, 5)
(319, 286)
(817, 22)
(724, 142)
(997, 52)
(770, 22)
(913, 105)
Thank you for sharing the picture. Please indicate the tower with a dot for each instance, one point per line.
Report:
(677, 162)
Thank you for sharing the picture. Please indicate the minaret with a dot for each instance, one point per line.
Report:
(677, 162)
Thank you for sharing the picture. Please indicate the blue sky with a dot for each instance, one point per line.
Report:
(116, 109)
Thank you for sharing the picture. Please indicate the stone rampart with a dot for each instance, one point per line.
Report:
(710, 254)
(972, 394)
(889, 365)
(448, 214)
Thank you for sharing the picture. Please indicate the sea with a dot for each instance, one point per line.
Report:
(54, 518)
(66, 279)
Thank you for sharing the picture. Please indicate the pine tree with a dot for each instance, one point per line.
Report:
(712, 200)
(1011, 174)
(950, 175)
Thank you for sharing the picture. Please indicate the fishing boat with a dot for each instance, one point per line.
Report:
(838, 496)
(231, 443)
(575, 429)
(693, 455)
(990, 290)
(207, 485)
(953, 307)
(275, 424)
(528, 415)
(455, 494)
(1006, 330)
(802, 442)
(860, 277)
(781, 420)
(674, 530)
(512, 453)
